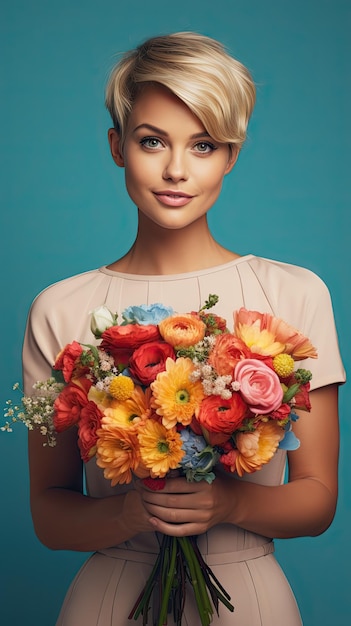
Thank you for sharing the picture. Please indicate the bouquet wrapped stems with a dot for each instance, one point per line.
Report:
(179, 561)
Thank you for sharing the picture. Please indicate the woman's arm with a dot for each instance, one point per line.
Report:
(305, 506)
(64, 518)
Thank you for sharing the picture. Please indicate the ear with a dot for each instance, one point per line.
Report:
(115, 147)
(233, 155)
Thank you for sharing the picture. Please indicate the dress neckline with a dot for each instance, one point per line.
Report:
(164, 277)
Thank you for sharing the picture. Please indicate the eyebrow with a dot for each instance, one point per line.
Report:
(159, 131)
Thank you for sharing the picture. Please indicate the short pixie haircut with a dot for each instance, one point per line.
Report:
(217, 88)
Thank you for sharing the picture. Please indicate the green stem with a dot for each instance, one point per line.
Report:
(185, 546)
(166, 591)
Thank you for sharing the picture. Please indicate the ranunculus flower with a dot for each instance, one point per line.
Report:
(219, 418)
(226, 353)
(150, 359)
(266, 334)
(68, 405)
(90, 421)
(257, 448)
(182, 331)
(120, 341)
(101, 319)
(259, 385)
(146, 313)
(66, 360)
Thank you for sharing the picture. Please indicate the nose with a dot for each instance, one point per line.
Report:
(176, 166)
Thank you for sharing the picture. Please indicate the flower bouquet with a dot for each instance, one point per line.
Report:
(163, 391)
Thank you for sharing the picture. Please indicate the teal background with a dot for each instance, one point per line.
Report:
(64, 210)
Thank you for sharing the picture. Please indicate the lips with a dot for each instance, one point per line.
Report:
(173, 198)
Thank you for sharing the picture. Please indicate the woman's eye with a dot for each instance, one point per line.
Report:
(204, 147)
(150, 142)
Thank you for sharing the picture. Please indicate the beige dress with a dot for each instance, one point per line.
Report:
(106, 587)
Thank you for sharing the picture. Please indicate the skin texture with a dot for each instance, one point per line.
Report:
(179, 157)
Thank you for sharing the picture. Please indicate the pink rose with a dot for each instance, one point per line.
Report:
(259, 385)
(150, 359)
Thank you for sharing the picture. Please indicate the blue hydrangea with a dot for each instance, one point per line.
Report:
(146, 314)
(199, 458)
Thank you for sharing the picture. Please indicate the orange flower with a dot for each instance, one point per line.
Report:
(117, 452)
(175, 396)
(226, 353)
(254, 449)
(182, 331)
(268, 335)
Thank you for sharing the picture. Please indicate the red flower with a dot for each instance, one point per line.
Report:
(90, 421)
(302, 399)
(281, 413)
(121, 341)
(150, 359)
(66, 360)
(220, 418)
(69, 403)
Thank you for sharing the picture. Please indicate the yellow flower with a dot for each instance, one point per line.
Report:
(175, 397)
(117, 452)
(160, 448)
(182, 331)
(130, 413)
(259, 341)
(121, 387)
(257, 448)
(283, 365)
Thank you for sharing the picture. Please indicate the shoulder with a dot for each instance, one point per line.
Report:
(285, 280)
(62, 292)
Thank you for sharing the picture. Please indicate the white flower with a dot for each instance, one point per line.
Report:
(101, 319)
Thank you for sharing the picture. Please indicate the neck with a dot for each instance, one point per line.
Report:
(159, 251)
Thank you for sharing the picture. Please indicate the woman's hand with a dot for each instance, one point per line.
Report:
(189, 508)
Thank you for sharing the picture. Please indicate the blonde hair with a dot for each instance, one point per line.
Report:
(217, 88)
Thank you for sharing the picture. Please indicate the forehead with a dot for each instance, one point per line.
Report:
(157, 105)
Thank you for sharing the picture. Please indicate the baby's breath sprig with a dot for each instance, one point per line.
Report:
(35, 411)
(199, 352)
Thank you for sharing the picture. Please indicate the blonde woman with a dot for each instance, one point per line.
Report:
(180, 105)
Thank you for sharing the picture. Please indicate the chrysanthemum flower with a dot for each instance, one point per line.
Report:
(160, 448)
(175, 396)
(268, 335)
(131, 412)
(117, 452)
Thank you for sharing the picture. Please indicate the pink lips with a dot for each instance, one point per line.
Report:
(173, 198)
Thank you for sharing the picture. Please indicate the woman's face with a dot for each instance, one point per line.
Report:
(173, 169)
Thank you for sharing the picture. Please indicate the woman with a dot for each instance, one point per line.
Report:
(180, 106)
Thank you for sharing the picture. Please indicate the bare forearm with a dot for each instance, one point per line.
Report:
(300, 508)
(68, 520)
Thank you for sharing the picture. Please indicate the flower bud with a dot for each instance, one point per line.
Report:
(101, 319)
